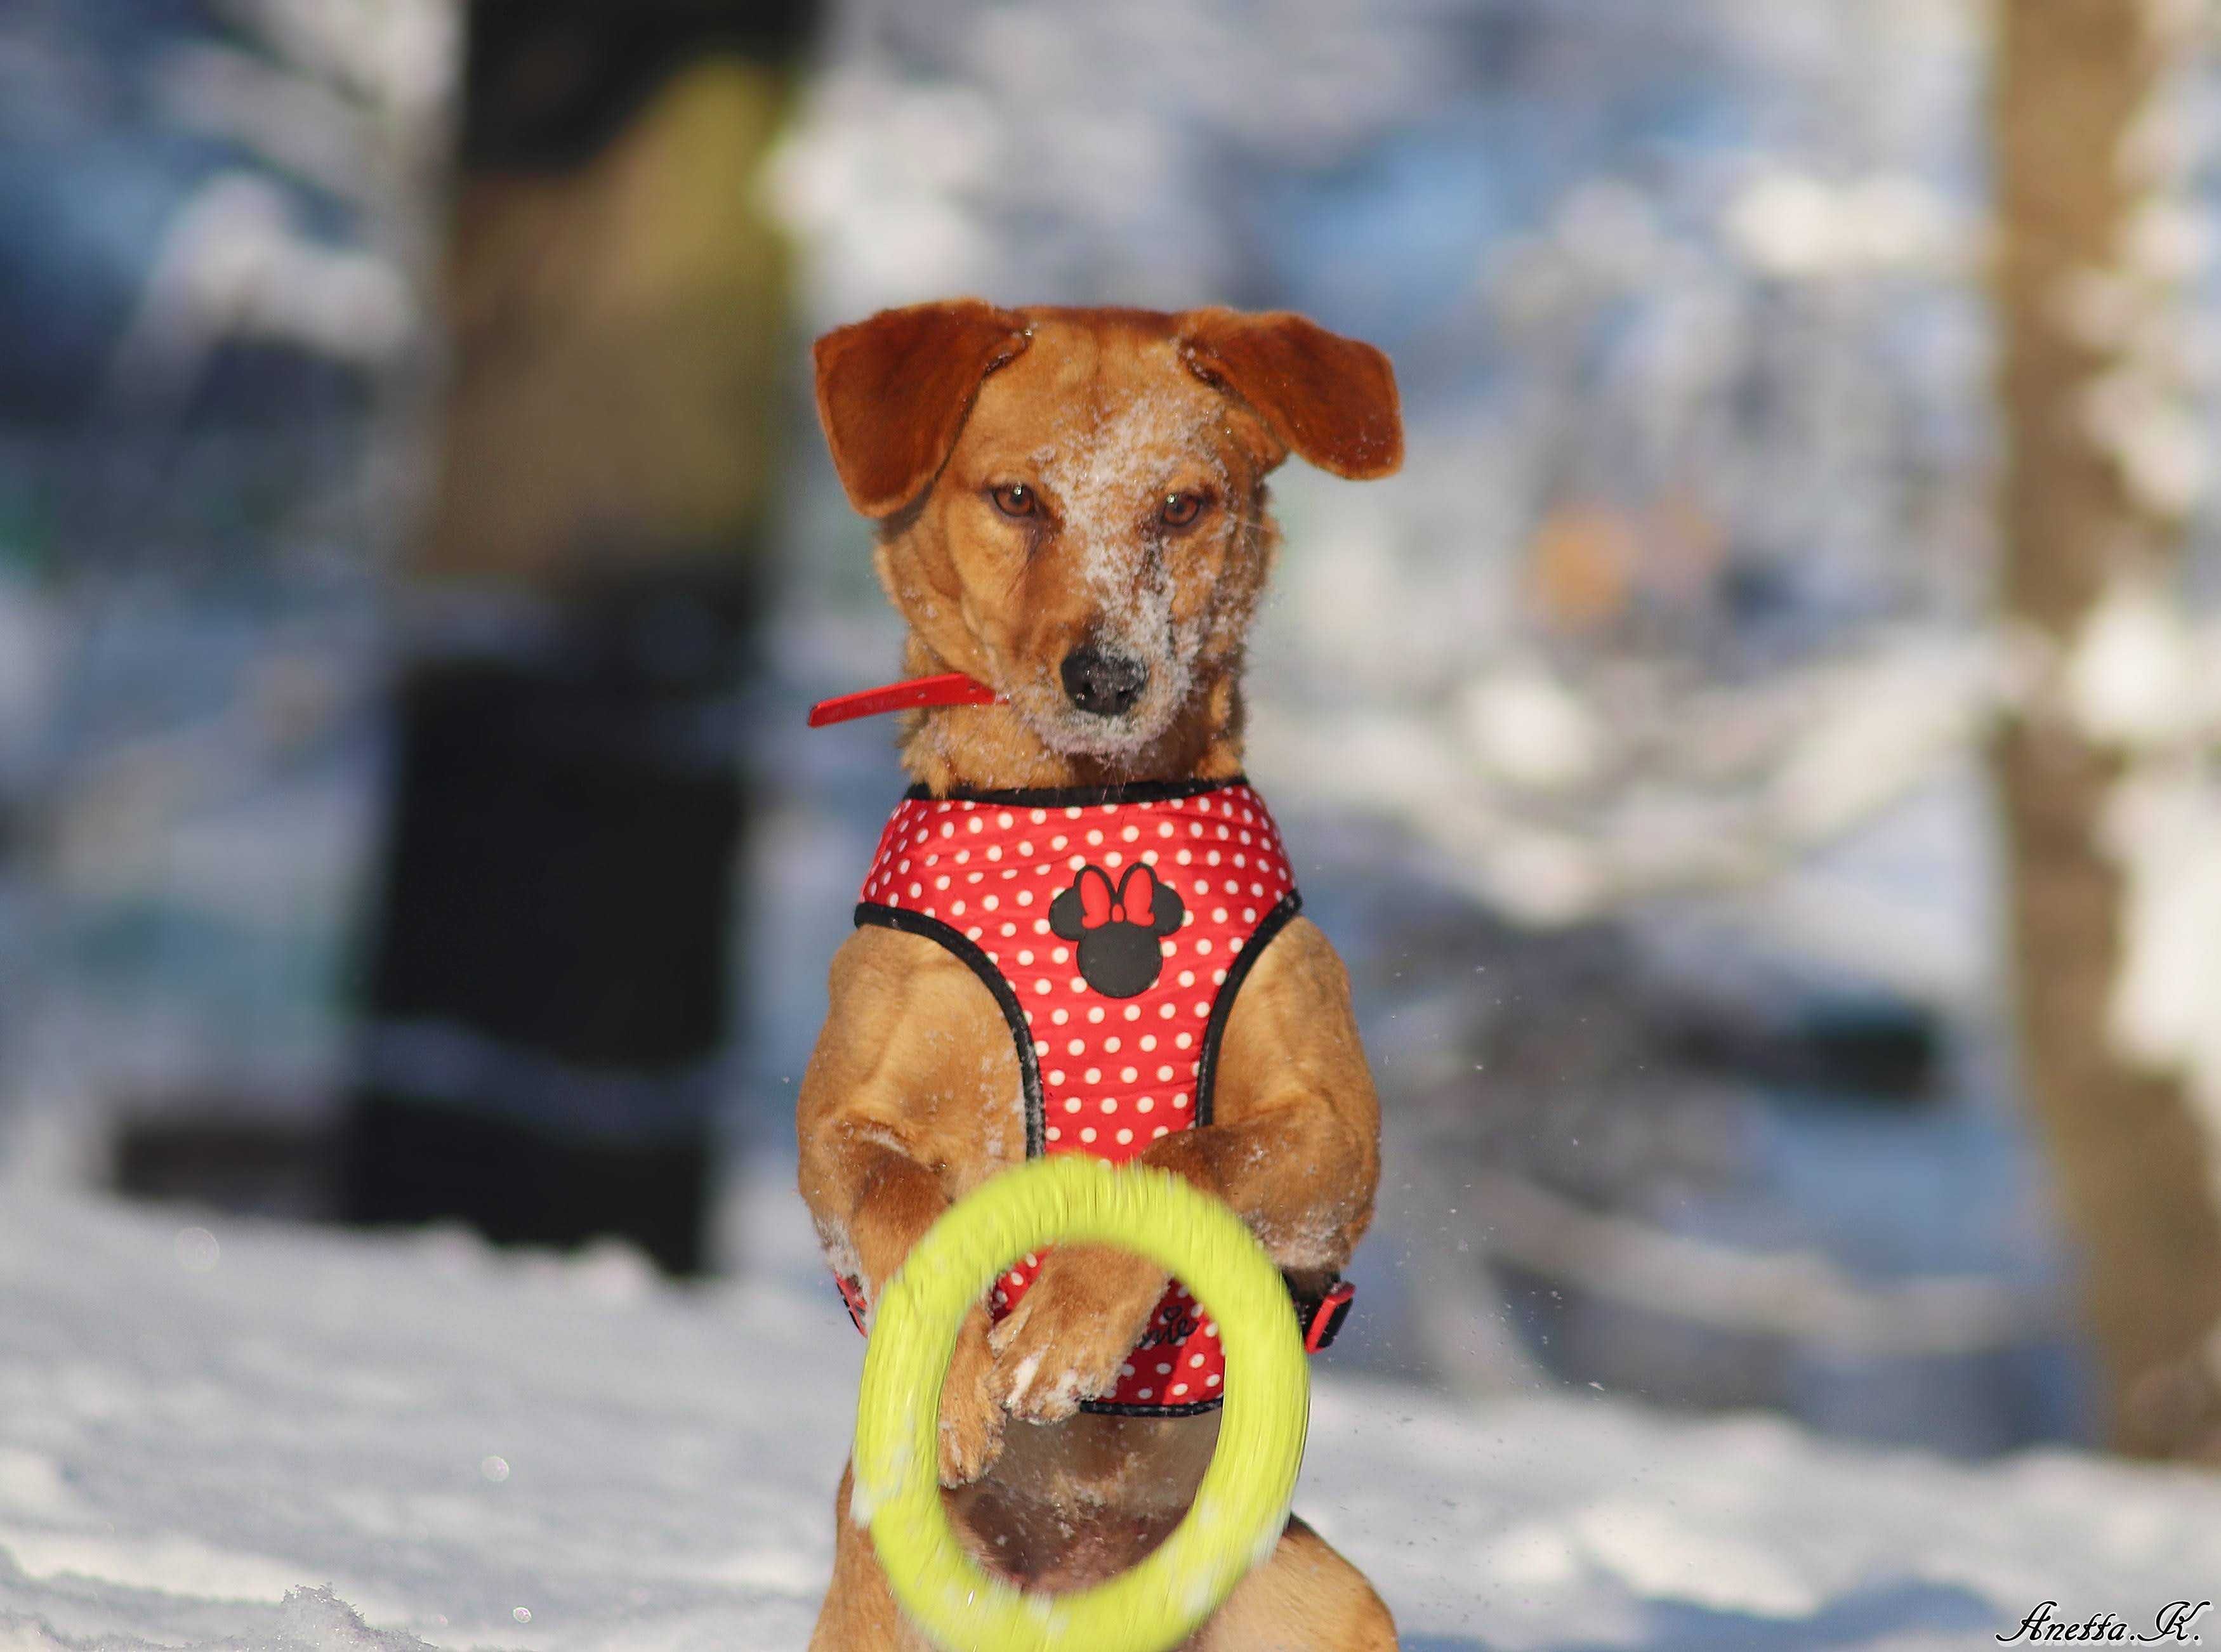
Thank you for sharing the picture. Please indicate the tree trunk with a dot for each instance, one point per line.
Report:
(543, 1041)
(2128, 1152)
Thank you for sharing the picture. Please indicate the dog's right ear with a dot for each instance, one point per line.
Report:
(893, 391)
(1332, 399)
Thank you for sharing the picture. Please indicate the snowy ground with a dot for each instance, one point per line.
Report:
(473, 1450)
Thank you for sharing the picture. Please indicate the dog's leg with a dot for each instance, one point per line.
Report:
(911, 1099)
(1305, 1598)
(860, 1613)
(1294, 1143)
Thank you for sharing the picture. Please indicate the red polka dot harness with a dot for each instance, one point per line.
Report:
(1114, 927)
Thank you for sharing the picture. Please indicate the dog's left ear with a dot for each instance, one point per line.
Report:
(893, 391)
(1331, 399)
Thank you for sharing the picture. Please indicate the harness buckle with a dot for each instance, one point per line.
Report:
(1324, 1323)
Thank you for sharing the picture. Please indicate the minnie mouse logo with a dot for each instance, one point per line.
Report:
(1118, 927)
(1172, 1332)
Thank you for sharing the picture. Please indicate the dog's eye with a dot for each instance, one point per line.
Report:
(1180, 509)
(1013, 499)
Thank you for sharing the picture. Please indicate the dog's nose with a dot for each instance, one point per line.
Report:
(1106, 684)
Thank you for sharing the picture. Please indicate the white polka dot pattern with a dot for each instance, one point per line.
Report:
(1116, 1073)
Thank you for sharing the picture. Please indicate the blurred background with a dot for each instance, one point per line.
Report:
(1759, 759)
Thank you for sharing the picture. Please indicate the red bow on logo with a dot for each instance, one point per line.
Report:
(1128, 904)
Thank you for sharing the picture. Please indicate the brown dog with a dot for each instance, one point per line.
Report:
(1071, 508)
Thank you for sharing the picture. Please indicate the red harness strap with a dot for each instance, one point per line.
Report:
(1322, 1323)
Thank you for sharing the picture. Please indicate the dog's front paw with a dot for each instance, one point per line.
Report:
(971, 1413)
(1065, 1341)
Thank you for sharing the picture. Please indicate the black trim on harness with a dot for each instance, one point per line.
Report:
(1069, 797)
(1106, 1408)
(1006, 997)
(1206, 1072)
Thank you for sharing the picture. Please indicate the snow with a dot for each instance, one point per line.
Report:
(216, 1434)
(2134, 676)
(2138, 681)
(1794, 225)
(2163, 827)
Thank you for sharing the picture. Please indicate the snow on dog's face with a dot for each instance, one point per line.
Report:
(1104, 511)
(1072, 501)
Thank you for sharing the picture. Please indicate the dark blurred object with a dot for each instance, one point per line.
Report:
(547, 82)
(422, 1162)
(550, 986)
(269, 1165)
(1854, 1047)
(547, 1014)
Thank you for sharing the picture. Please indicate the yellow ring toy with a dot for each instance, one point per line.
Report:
(1242, 1503)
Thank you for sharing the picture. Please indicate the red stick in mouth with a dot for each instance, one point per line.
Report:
(949, 689)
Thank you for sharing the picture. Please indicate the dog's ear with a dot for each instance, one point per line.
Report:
(893, 391)
(1331, 399)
